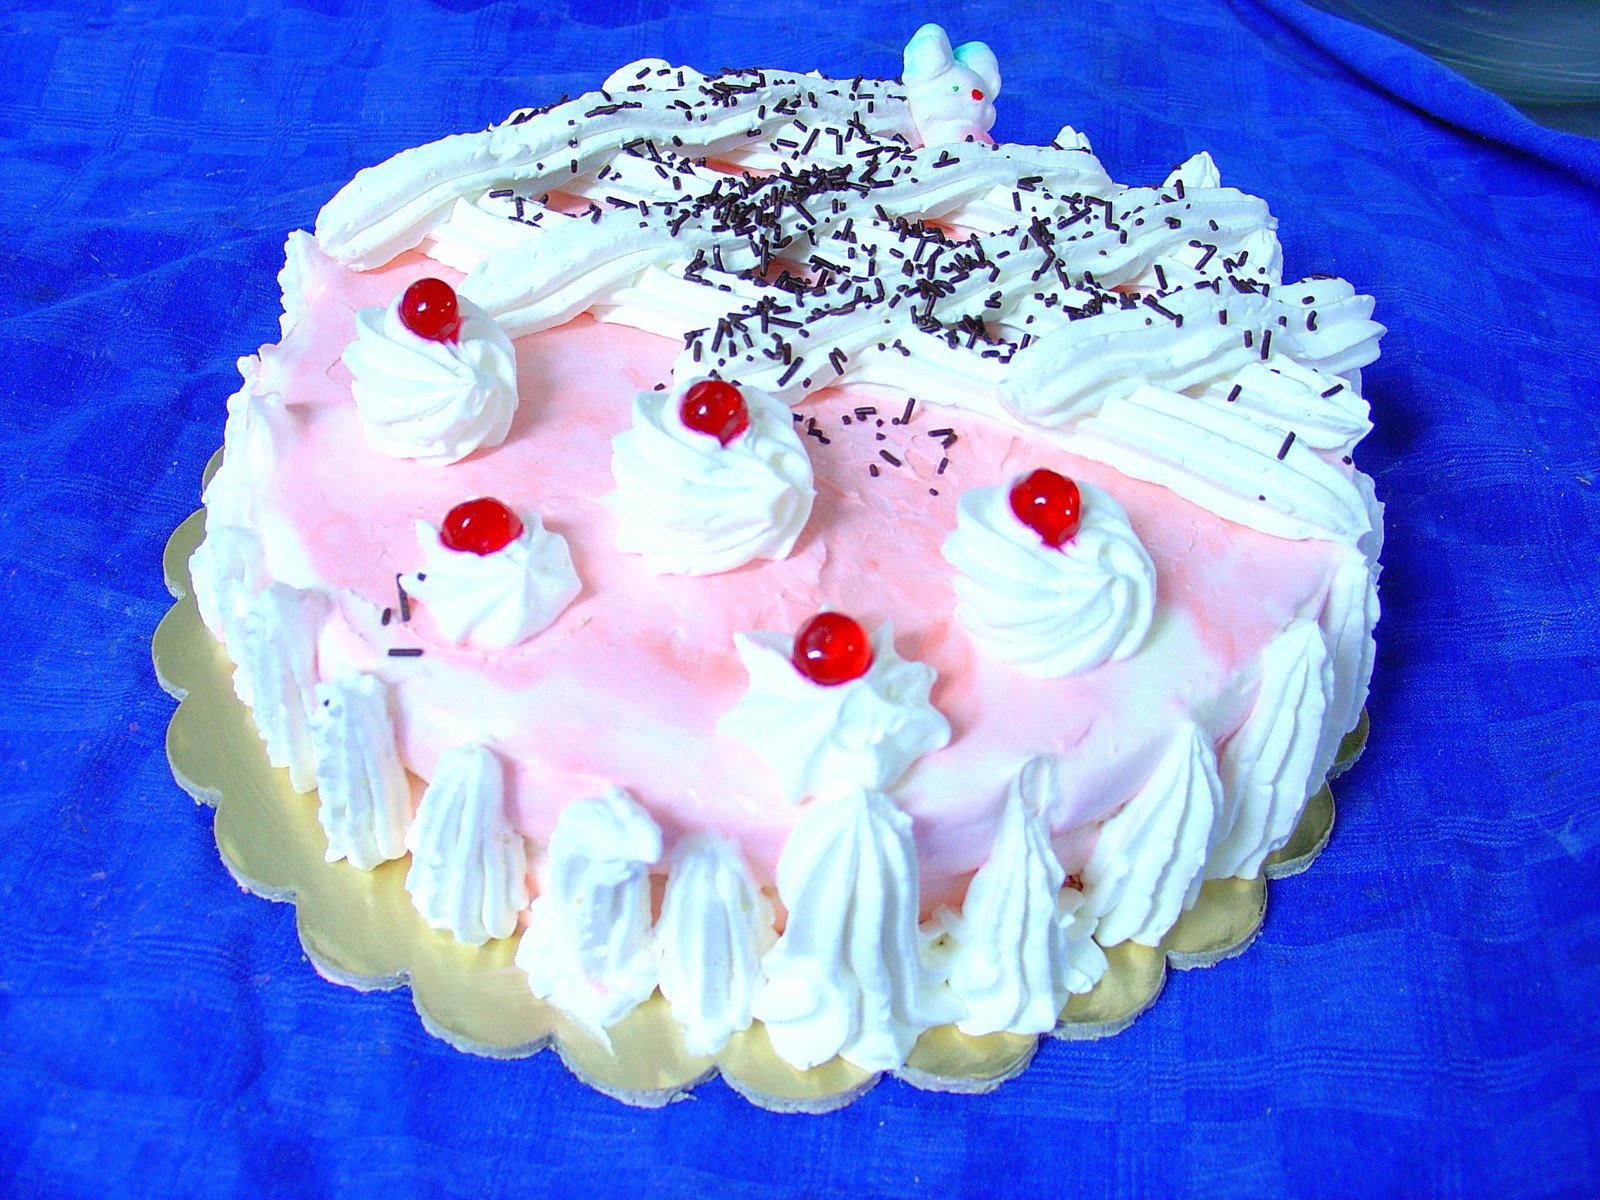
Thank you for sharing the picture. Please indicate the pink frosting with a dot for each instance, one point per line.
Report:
(626, 687)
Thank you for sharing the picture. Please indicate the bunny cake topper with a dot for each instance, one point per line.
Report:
(951, 92)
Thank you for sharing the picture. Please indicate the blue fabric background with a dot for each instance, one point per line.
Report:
(1420, 1014)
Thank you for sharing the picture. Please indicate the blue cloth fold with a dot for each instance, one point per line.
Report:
(1418, 1016)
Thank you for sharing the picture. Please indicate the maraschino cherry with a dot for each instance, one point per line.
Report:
(715, 407)
(429, 310)
(480, 526)
(831, 648)
(1048, 504)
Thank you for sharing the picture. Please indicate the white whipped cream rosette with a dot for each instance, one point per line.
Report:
(714, 926)
(1022, 943)
(363, 794)
(852, 974)
(826, 740)
(468, 873)
(1147, 862)
(1044, 610)
(498, 599)
(433, 401)
(694, 506)
(587, 947)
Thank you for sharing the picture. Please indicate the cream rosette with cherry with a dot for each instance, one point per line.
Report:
(709, 477)
(1052, 578)
(433, 376)
(831, 711)
(492, 580)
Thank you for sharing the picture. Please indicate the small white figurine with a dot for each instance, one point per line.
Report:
(951, 92)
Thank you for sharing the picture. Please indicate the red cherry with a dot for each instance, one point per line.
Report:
(1048, 504)
(716, 408)
(429, 310)
(831, 649)
(976, 94)
(480, 526)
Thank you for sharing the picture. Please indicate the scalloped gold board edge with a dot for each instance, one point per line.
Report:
(359, 928)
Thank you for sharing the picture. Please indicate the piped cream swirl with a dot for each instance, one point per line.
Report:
(469, 866)
(824, 741)
(1278, 757)
(1022, 943)
(714, 927)
(587, 947)
(363, 794)
(435, 402)
(693, 506)
(851, 974)
(1046, 611)
(1147, 861)
(500, 599)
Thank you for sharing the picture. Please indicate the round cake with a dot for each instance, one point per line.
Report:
(754, 536)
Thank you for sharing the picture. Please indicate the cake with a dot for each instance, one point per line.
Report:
(752, 536)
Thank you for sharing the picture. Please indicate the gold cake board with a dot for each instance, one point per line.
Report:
(359, 927)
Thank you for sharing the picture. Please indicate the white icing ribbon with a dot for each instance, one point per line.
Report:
(714, 927)
(587, 948)
(495, 600)
(826, 741)
(1225, 462)
(1022, 944)
(1323, 410)
(363, 794)
(1050, 611)
(390, 208)
(432, 401)
(692, 506)
(1149, 854)
(469, 867)
(850, 975)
